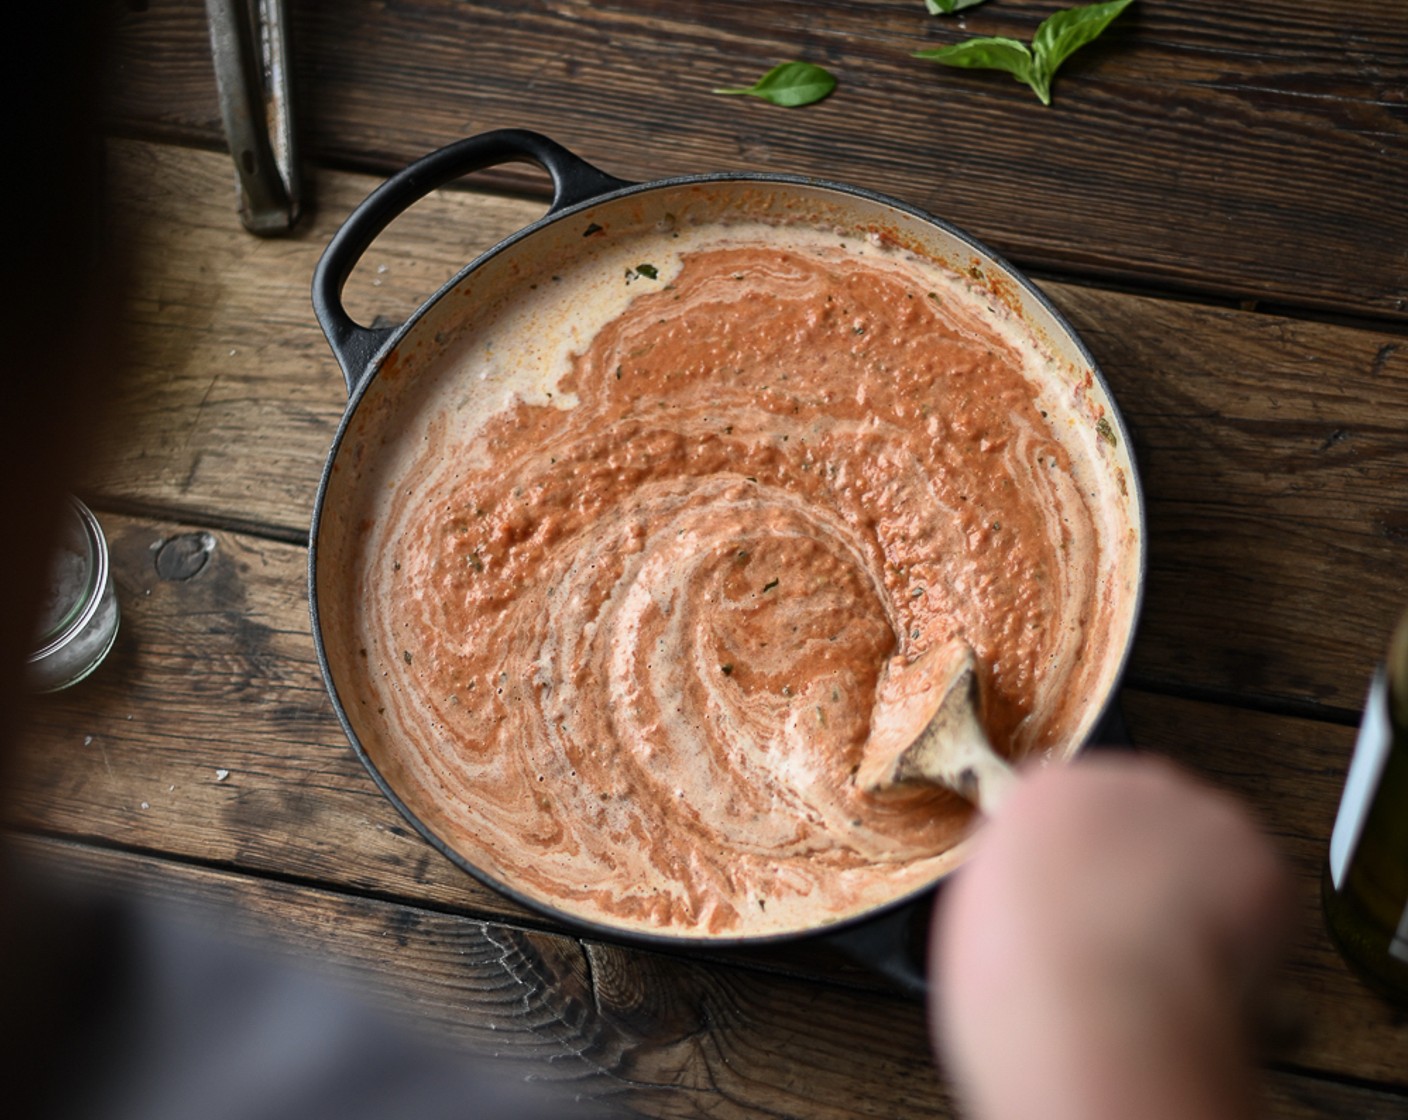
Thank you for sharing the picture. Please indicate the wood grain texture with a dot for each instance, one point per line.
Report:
(1255, 150)
(231, 395)
(1272, 449)
(1234, 153)
(206, 736)
(645, 1034)
(1274, 457)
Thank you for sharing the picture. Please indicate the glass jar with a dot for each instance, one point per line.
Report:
(79, 615)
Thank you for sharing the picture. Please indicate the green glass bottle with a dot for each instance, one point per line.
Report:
(1365, 885)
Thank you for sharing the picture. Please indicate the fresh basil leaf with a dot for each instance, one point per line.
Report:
(1064, 33)
(948, 7)
(1058, 37)
(789, 84)
(985, 53)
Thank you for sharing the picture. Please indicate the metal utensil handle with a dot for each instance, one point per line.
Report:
(573, 181)
(249, 45)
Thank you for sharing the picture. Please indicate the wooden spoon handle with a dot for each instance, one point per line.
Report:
(954, 751)
(926, 729)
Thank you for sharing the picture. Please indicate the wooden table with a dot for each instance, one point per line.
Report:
(1216, 200)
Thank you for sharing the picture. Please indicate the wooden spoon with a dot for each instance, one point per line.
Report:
(925, 728)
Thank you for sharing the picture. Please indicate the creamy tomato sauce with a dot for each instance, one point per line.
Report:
(629, 595)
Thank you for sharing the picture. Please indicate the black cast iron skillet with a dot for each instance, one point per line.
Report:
(889, 938)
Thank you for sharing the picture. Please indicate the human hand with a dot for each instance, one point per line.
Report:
(1096, 955)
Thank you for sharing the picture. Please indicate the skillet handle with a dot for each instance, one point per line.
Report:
(894, 944)
(355, 346)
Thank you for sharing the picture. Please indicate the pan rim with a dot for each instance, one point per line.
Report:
(1136, 507)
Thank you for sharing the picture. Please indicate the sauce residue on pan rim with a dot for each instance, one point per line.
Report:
(653, 523)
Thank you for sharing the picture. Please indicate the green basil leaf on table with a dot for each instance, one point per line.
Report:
(789, 84)
(1064, 33)
(948, 7)
(1058, 37)
(986, 53)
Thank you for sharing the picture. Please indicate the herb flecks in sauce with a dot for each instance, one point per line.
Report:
(686, 620)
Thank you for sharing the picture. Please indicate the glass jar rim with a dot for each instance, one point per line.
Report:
(77, 617)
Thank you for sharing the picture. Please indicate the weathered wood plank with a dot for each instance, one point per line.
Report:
(1273, 450)
(207, 736)
(1255, 150)
(646, 1034)
(233, 396)
(1274, 456)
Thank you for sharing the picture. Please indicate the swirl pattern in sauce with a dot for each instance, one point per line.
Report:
(637, 628)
